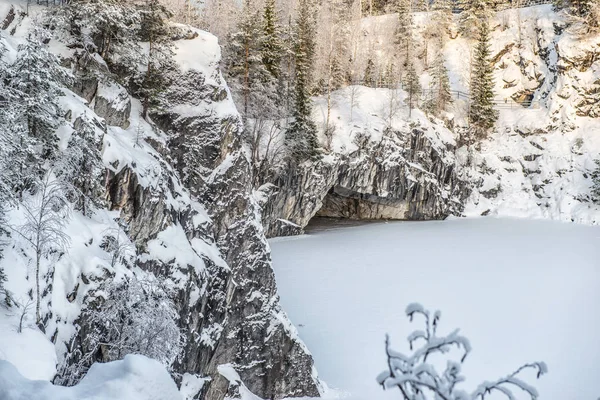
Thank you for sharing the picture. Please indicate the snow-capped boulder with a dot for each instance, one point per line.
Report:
(112, 103)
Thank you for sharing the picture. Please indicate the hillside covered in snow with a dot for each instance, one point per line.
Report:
(537, 162)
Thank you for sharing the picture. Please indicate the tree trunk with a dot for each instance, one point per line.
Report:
(38, 318)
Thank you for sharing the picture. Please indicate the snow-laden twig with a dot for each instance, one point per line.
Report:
(416, 378)
(503, 385)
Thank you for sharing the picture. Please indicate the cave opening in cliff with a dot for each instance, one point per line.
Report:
(344, 208)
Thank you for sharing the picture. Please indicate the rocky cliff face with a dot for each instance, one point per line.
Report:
(182, 187)
(406, 173)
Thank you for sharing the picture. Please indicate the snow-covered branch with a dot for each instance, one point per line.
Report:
(416, 378)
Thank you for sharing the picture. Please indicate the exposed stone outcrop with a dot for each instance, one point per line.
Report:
(113, 104)
(250, 330)
(229, 309)
(405, 176)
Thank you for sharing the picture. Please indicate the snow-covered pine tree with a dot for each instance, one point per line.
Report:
(417, 379)
(301, 137)
(595, 175)
(271, 45)
(107, 27)
(482, 115)
(285, 85)
(440, 96)
(474, 14)
(8, 165)
(81, 167)
(253, 85)
(159, 64)
(36, 77)
(404, 29)
(412, 86)
(441, 21)
(335, 28)
(3, 279)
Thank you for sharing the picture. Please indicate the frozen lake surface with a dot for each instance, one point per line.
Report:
(520, 290)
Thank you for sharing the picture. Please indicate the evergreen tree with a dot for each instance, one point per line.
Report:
(109, 28)
(404, 29)
(440, 95)
(8, 164)
(595, 175)
(159, 64)
(442, 17)
(301, 136)
(81, 166)
(412, 86)
(285, 87)
(476, 13)
(482, 114)
(254, 87)
(36, 77)
(390, 79)
(271, 44)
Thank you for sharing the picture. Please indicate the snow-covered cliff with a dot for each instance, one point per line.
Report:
(180, 206)
(536, 162)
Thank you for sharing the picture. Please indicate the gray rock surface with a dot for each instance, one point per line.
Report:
(112, 103)
(406, 176)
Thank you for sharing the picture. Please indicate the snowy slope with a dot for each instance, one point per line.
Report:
(133, 378)
(538, 159)
(519, 290)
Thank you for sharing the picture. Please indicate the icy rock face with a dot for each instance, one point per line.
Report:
(230, 311)
(405, 176)
(113, 104)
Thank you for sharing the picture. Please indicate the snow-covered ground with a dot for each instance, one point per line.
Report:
(520, 290)
(133, 378)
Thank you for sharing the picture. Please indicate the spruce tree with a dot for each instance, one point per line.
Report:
(301, 136)
(109, 28)
(476, 13)
(440, 95)
(3, 279)
(8, 164)
(442, 17)
(404, 29)
(81, 166)
(271, 44)
(253, 85)
(369, 77)
(159, 64)
(36, 77)
(482, 114)
(412, 86)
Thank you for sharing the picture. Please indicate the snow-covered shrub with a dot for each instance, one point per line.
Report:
(418, 379)
(132, 316)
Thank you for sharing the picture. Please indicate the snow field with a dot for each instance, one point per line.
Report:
(520, 290)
